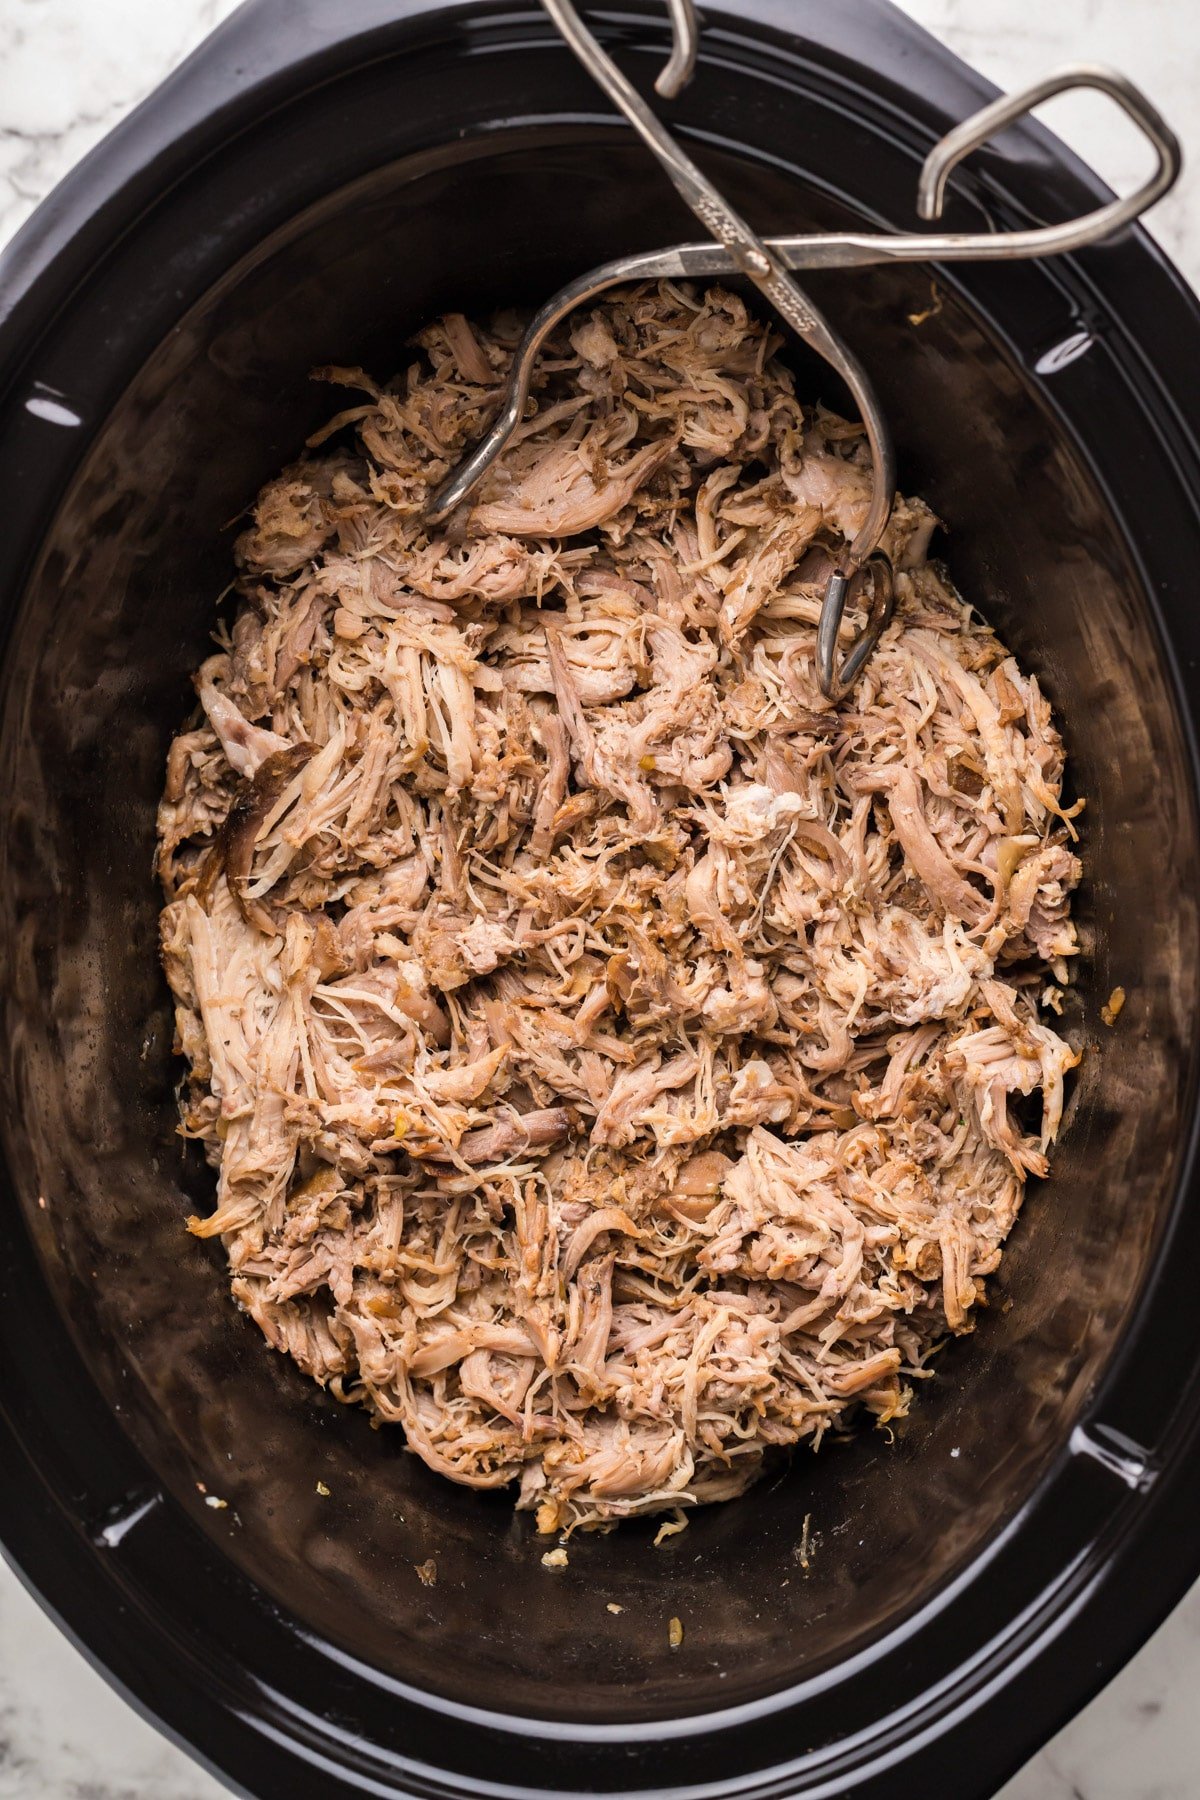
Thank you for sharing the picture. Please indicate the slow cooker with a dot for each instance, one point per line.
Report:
(309, 188)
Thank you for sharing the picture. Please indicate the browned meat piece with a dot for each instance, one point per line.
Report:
(929, 861)
(251, 807)
(526, 1131)
(246, 746)
(553, 790)
(608, 1051)
(562, 496)
(292, 523)
(473, 365)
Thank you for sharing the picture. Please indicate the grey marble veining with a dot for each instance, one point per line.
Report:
(69, 69)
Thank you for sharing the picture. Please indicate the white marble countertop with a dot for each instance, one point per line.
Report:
(69, 69)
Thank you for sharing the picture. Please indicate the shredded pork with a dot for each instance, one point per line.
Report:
(616, 1060)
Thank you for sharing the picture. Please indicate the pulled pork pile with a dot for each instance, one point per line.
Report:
(608, 1049)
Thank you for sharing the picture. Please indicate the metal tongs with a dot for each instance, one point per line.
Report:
(738, 249)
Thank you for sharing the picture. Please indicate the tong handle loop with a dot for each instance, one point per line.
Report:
(1045, 240)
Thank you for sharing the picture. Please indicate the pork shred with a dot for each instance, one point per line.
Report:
(616, 1060)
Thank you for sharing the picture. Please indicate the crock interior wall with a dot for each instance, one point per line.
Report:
(115, 618)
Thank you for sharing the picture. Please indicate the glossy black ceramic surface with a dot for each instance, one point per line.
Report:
(309, 189)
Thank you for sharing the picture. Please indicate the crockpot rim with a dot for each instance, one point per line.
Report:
(109, 179)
